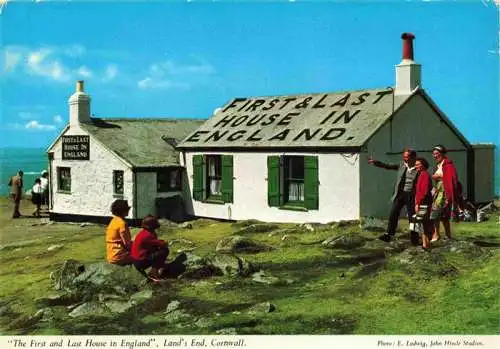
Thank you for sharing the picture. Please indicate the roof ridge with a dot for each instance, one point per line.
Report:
(148, 119)
(321, 93)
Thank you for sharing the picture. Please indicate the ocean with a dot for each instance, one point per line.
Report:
(33, 161)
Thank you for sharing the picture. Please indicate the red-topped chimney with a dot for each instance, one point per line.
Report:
(407, 45)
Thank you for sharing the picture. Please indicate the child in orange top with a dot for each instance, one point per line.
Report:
(148, 250)
(118, 240)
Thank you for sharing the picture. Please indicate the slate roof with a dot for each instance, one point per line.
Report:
(340, 119)
(142, 142)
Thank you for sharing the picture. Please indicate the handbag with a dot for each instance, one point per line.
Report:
(421, 214)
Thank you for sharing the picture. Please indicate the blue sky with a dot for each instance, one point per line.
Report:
(184, 59)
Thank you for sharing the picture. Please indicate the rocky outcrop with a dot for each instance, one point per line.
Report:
(347, 241)
(240, 244)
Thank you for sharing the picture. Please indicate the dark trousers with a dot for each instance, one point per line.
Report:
(17, 201)
(154, 259)
(402, 199)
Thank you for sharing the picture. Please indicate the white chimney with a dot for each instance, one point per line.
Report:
(79, 106)
(408, 73)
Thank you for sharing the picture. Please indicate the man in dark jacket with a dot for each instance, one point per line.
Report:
(16, 191)
(404, 192)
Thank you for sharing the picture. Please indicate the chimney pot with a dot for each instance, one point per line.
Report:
(407, 45)
(79, 86)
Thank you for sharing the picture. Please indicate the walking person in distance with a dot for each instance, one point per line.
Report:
(16, 191)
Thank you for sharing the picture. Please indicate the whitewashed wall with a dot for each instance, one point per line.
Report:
(146, 193)
(416, 126)
(338, 190)
(91, 180)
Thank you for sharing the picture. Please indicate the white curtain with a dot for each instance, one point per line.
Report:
(215, 184)
(296, 192)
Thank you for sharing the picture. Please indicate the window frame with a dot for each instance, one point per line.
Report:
(208, 177)
(288, 179)
(115, 173)
(165, 187)
(60, 180)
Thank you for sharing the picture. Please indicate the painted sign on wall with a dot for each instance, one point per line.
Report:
(75, 147)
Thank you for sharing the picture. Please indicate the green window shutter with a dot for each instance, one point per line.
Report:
(227, 178)
(198, 161)
(273, 180)
(311, 182)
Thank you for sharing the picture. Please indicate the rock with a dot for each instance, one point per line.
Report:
(118, 307)
(186, 225)
(174, 305)
(373, 224)
(240, 244)
(17, 244)
(203, 322)
(103, 277)
(230, 265)
(189, 265)
(230, 331)
(265, 278)
(428, 263)
(86, 224)
(177, 315)
(55, 300)
(26, 321)
(264, 307)
(287, 237)
(257, 228)
(467, 248)
(307, 226)
(246, 223)
(55, 247)
(64, 275)
(90, 308)
(5, 309)
(347, 241)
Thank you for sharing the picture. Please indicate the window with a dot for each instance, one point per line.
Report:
(64, 179)
(213, 178)
(168, 179)
(118, 182)
(292, 181)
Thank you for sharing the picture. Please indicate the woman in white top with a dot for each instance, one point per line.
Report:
(36, 196)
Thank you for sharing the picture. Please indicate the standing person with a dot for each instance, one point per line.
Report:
(36, 196)
(446, 202)
(404, 192)
(16, 191)
(148, 250)
(118, 240)
(423, 200)
(45, 188)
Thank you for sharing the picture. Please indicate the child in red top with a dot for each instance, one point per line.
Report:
(148, 250)
(423, 196)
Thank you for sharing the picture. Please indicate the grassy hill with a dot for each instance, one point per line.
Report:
(352, 287)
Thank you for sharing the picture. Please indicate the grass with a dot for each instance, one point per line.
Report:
(321, 290)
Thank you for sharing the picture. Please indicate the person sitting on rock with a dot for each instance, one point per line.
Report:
(118, 240)
(148, 250)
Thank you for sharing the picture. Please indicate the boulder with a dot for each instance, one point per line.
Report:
(347, 241)
(260, 308)
(63, 276)
(230, 331)
(265, 278)
(92, 308)
(103, 277)
(55, 247)
(189, 265)
(245, 223)
(466, 248)
(257, 228)
(373, 224)
(240, 244)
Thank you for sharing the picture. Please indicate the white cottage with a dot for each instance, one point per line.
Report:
(304, 158)
(95, 161)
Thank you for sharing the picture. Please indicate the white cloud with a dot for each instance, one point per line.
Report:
(12, 58)
(84, 72)
(41, 63)
(58, 119)
(26, 115)
(35, 125)
(110, 73)
(152, 83)
(168, 74)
